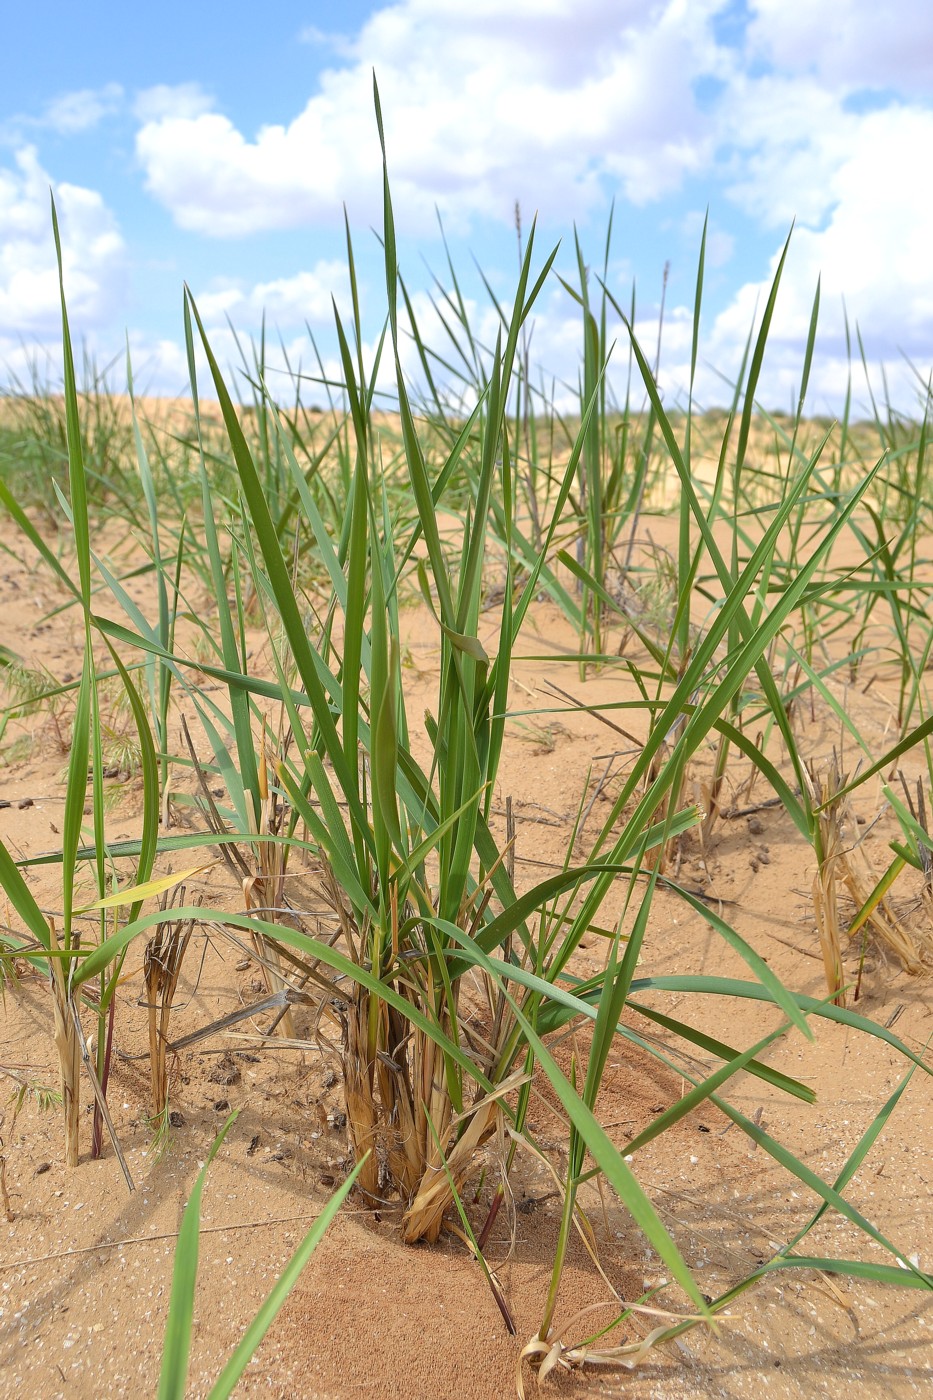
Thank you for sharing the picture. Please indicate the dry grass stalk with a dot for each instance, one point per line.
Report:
(162, 963)
(909, 946)
(919, 813)
(548, 1354)
(399, 1110)
(425, 1216)
(69, 1050)
(359, 1088)
(265, 889)
(829, 842)
(843, 861)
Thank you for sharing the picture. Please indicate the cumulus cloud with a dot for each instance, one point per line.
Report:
(92, 249)
(571, 92)
(287, 301)
(576, 101)
(780, 140)
(872, 250)
(826, 127)
(865, 46)
(867, 221)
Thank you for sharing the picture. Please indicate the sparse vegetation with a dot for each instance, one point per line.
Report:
(357, 861)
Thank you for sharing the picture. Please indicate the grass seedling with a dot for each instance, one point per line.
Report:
(180, 1323)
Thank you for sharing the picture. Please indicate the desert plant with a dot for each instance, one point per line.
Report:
(37, 440)
(57, 949)
(179, 1323)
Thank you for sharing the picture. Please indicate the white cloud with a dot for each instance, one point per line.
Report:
(568, 94)
(69, 114)
(326, 38)
(785, 134)
(783, 138)
(286, 301)
(216, 182)
(797, 143)
(873, 251)
(92, 251)
(79, 111)
(183, 100)
(861, 45)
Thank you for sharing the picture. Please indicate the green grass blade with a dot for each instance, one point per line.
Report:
(174, 1373)
(22, 899)
(286, 1281)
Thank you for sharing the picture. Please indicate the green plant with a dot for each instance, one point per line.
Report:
(58, 951)
(37, 441)
(178, 1327)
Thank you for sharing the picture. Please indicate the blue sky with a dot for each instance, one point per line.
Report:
(217, 145)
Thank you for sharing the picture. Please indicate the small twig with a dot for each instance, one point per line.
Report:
(4, 1193)
(555, 819)
(562, 694)
(592, 802)
(228, 849)
(154, 1239)
(733, 812)
(804, 952)
(702, 895)
(288, 996)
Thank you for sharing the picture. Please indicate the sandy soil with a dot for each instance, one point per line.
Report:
(86, 1266)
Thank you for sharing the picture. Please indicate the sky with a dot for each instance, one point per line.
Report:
(219, 146)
